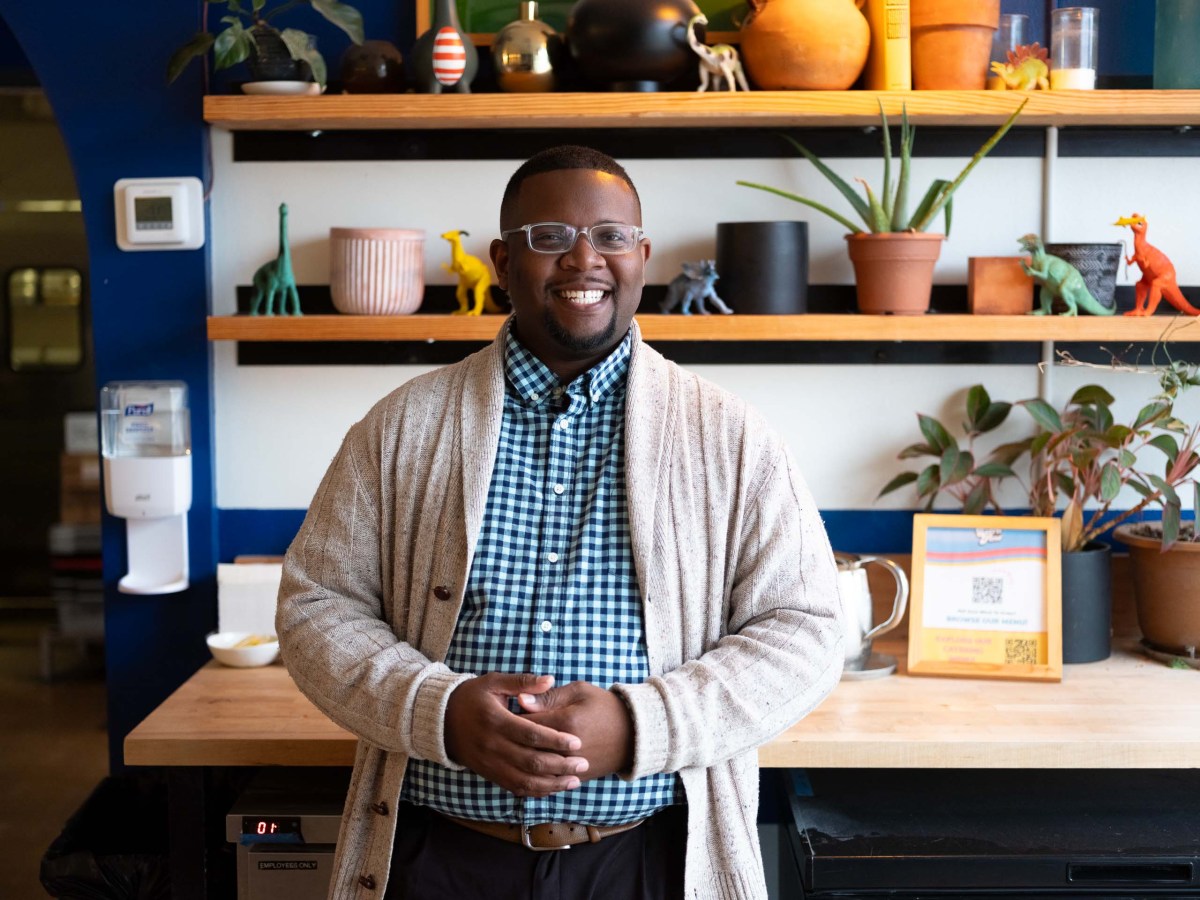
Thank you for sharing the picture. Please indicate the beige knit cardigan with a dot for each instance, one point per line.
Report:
(737, 580)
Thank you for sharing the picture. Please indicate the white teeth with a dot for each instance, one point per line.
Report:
(583, 297)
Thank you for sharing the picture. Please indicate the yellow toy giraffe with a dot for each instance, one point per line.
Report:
(474, 277)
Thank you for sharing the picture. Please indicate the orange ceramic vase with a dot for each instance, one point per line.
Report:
(805, 45)
(893, 272)
(952, 42)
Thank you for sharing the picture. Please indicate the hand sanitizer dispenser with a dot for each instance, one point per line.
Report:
(147, 444)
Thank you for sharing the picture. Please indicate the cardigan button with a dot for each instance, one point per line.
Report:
(381, 807)
(367, 881)
(441, 592)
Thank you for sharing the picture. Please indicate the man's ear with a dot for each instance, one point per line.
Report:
(499, 253)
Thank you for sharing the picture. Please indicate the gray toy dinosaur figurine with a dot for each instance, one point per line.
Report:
(1060, 279)
(274, 280)
(693, 286)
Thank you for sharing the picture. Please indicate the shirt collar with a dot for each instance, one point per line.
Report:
(534, 382)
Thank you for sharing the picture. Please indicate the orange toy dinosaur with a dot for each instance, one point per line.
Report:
(1158, 273)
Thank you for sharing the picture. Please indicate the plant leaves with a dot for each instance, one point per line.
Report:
(977, 404)
(1166, 443)
(1009, 453)
(993, 416)
(1170, 524)
(1126, 458)
(232, 46)
(1091, 393)
(1044, 414)
(301, 47)
(198, 45)
(898, 482)
(977, 500)
(1115, 436)
(995, 470)
(1110, 481)
(935, 433)
(921, 223)
(343, 16)
(887, 170)
(1038, 443)
(907, 135)
(1168, 492)
(879, 220)
(1072, 527)
(926, 204)
(956, 465)
(927, 481)
(819, 207)
(912, 451)
(857, 202)
(1151, 413)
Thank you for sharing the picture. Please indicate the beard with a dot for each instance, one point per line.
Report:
(580, 343)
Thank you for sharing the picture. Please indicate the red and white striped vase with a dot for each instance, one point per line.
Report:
(443, 58)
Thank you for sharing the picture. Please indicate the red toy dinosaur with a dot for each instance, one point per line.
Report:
(1158, 273)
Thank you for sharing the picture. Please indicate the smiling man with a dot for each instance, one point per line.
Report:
(562, 591)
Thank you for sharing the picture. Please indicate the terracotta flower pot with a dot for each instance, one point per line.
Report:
(894, 271)
(805, 45)
(376, 271)
(1166, 587)
(952, 42)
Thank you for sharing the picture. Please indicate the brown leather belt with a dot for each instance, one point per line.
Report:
(548, 836)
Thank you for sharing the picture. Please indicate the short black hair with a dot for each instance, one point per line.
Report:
(554, 159)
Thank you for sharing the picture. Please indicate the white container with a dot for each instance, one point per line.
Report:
(377, 271)
(222, 645)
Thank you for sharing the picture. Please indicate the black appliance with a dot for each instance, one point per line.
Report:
(933, 834)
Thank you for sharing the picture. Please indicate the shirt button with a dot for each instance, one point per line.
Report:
(441, 592)
(553, 557)
(564, 423)
(546, 625)
(558, 489)
(535, 396)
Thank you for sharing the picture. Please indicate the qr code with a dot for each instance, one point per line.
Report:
(987, 590)
(1021, 650)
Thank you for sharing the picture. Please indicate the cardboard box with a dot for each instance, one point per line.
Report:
(79, 488)
(81, 433)
(998, 286)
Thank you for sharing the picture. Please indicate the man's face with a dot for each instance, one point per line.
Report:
(571, 309)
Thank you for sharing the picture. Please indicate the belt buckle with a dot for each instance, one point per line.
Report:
(529, 844)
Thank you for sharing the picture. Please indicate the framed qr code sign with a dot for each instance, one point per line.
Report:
(986, 597)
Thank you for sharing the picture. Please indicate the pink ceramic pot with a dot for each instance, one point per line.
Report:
(377, 271)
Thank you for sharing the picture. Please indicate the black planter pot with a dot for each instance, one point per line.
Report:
(271, 60)
(1087, 604)
(632, 45)
(763, 267)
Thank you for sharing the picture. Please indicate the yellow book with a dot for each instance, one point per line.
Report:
(889, 65)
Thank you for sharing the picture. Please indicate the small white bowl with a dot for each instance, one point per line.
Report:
(222, 645)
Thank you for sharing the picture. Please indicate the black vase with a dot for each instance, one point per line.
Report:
(1087, 603)
(372, 67)
(632, 45)
(763, 267)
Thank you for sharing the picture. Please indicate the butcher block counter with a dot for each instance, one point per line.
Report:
(1128, 711)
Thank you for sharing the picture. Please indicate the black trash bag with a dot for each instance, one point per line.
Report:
(115, 846)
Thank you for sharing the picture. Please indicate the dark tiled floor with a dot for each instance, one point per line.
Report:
(53, 748)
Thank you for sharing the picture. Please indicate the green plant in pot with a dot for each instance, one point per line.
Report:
(271, 54)
(1079, 460)
(893, 255)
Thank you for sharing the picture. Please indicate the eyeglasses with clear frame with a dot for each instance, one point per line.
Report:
(607, 238)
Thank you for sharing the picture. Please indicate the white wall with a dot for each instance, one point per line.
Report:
(278, 426)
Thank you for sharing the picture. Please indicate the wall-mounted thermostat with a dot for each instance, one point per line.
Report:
(159, 213)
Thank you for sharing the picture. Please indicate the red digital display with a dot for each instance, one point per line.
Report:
(270, 826)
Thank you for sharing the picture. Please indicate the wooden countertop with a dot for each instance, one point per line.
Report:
(1126, 712)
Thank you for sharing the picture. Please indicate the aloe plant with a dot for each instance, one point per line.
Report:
(236, 41)
(887, 211)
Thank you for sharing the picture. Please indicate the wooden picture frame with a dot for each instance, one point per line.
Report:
(986, 597)
(481, 19)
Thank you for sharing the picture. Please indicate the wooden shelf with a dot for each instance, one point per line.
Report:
(692, 110)
(846, 327)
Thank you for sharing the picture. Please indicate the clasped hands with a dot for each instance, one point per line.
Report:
(565, 736)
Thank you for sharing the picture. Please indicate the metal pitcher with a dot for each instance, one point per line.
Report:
(857, 617)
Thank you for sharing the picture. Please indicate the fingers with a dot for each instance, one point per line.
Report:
(524, 733)
(522, 683)
(547, 700)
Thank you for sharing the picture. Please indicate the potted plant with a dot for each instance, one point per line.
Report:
(270, 53)
(893, 256)
(1079, 458)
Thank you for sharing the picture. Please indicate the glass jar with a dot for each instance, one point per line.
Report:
(1074, 47)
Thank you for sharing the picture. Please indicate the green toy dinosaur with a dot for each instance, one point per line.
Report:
(1059, 279)
(274, 280)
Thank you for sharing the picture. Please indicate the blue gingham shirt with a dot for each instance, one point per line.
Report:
(552, 588)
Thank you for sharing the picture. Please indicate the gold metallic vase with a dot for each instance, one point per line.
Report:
(526, 53)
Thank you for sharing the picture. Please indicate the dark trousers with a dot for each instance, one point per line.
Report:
(435, 859)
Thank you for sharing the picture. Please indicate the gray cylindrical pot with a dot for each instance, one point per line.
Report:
(763, 267)
(1087, 604)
